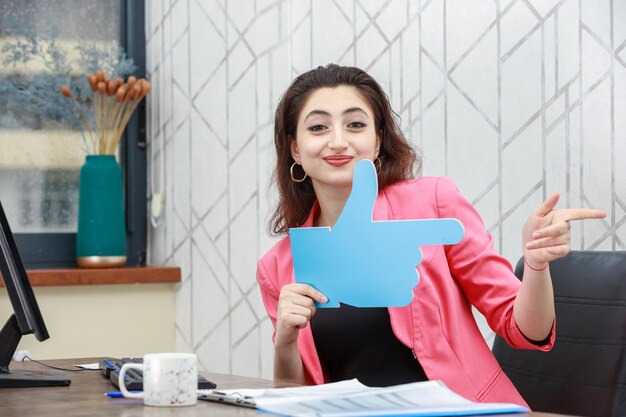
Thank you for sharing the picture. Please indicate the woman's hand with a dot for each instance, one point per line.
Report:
(295, 308)
(545, 237)
(546, 234)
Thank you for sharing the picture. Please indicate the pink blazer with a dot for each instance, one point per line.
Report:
(438, 325)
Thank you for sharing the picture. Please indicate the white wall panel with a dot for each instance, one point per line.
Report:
(501, 95)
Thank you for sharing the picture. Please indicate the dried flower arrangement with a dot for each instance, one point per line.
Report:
(113, 103)
(33, 98)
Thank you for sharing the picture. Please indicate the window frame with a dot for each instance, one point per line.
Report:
(58, 250)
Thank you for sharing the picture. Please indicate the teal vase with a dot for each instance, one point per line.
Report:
(101, 236)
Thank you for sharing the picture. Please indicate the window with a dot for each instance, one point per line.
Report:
(40, 160)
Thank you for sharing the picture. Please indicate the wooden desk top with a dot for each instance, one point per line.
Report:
(85, 397)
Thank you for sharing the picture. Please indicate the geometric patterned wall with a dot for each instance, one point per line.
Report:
(512, 99)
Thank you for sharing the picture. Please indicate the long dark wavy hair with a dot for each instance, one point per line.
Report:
(399, 160)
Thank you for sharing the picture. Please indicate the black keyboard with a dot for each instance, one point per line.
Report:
(134, 379)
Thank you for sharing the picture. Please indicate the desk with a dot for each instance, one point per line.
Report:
(85, 397)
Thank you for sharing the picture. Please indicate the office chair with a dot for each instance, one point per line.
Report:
(585, 373)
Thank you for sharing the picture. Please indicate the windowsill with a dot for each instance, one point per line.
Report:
(85, 276)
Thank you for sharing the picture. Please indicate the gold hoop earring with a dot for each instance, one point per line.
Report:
(380, 164)
(292, 177)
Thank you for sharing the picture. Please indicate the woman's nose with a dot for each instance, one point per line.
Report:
(338, 140)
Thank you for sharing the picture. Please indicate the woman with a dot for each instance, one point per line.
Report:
(327, 120)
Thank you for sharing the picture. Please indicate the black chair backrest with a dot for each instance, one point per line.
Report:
(585, 373)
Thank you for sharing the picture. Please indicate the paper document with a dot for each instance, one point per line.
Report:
(90, 366)
(351, 398)
(246, 397)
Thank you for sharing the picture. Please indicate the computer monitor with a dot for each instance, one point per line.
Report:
(26, 317)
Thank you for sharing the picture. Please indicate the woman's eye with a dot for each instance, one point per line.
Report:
(357, 125)
(316, 128)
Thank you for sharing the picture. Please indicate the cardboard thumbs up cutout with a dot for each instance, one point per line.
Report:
(362, 262)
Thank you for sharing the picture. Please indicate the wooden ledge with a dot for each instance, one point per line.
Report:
(85, 276)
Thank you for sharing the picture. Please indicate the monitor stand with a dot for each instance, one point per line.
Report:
(10, 336)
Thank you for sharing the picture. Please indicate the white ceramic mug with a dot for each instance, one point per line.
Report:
(169, 379)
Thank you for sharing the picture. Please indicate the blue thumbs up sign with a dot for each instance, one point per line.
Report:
(362, 262)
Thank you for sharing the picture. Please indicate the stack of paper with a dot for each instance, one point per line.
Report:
(351, 398)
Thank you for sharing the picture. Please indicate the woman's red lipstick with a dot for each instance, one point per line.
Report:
(338, 160)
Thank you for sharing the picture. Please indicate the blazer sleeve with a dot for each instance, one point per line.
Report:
(269, 293)
(486, 278)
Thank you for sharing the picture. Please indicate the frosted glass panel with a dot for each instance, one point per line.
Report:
(40, 156)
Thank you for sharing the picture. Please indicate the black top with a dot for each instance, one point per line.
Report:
(359, 343)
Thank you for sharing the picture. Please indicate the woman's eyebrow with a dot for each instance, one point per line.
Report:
(316, 113)
(355, 110)
(325, 113)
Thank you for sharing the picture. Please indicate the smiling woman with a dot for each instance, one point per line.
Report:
(329, 119)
